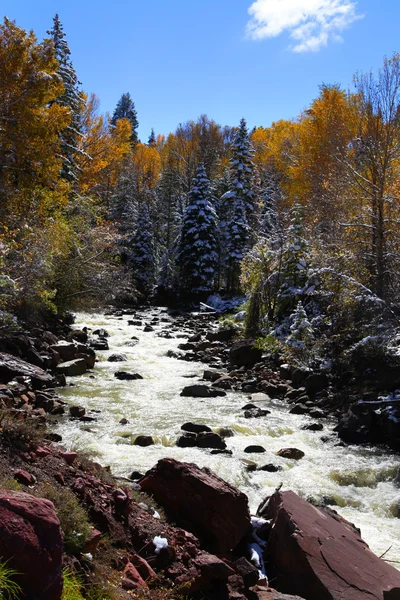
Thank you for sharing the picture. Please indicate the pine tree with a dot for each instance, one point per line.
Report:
(71, 98)
(142, 252)
(237, 234)
(294, 270)
(125, 109)
(242, 173)
(152, 138)
(301, 331)
(197, 255)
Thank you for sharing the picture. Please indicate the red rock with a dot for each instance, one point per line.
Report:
(143, 567)
(131, 578)
(59, 477)
(31, 543)
(41, 451)
(69, 457)
(24, 477)
(213, 509)
(93, 540)
(321, 557)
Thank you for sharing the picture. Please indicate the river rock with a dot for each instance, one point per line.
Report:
(77, 411)
(255, 413)
(269, 468)
(313, 427)
(254, 448)
(11, 367)
(321, 557)
(211, 375)
(102, 333)
(31, 543)
(66, 350)
(293, 453)
(187, 441)
(207, 439)
(207, 504)
(144, 440)
(72, 368)
(195, 427)
(244, 353)
(117, 358)
(201, 391)
(98, 343)
(125, 376)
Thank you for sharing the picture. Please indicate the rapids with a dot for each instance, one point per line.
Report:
(355, 481)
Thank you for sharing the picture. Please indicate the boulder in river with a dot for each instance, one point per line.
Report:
(293, 453)
(201, 391)
(144, 440)
(125, 376)
(208, 505)
(72, 367)
(195, 427)
(320, 556)
(207, 439)
(254, 448)
(117, 358)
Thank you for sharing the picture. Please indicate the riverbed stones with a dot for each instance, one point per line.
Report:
(208, 505)
(72, 368)
(320, 556)
(207, 439)
(293, 453)
(31, 543)
(316, 383)
(117, 357)
(77, 411)
(143, 440)
(195, 427)
(211, 375)
(201, 391)
(255, 413)
(254, 448)
(299, 409)
(125, 376)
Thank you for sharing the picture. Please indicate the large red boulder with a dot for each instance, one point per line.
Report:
(321, 557)
(31, 543)
(201, 501)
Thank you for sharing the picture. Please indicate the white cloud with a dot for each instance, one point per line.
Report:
(310, 23)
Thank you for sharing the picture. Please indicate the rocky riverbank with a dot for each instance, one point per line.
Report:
(179, 530)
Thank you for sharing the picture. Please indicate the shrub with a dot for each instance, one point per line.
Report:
(71, 586)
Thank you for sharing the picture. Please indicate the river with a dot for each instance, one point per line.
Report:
(355, 481)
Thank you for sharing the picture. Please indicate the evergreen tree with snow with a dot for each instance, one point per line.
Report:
(242, 173)
(125, 109)
(142, 252)
(301, 331)
(294, 269)
(71, 98)
(237, 236)
(197, 255)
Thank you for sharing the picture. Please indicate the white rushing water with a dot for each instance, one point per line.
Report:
(357, 480)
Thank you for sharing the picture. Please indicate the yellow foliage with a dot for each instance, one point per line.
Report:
(104, 148)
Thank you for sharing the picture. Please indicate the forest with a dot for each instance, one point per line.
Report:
(299, 217)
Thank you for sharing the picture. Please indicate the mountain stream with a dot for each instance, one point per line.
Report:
(355, 481)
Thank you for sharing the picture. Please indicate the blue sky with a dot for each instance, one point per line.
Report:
(180, 59)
